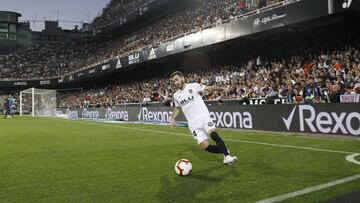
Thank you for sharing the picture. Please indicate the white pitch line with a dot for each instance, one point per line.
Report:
(351, 158)
(299, 135)
(310, 189)
(233, 140)
(291, 146)
(268, 133)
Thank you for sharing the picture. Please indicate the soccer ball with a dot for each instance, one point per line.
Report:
(183, 167)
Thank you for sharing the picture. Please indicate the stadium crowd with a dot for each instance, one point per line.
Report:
(53, 60)
(303, 78)
(116, 10)
(300, 77)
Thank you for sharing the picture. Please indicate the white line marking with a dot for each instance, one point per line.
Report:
(309, 190)
(351, 158)
(233, 140)
(341, 138)
(291, 146)
(259, 132)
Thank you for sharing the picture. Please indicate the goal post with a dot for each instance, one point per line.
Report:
(38, 102)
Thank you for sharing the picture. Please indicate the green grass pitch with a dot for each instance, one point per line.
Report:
(55, 160)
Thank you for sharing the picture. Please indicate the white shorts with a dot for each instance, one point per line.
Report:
(200, 130)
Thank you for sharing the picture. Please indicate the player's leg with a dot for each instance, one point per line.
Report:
(9, 112)
(202, 140)
(209, 147)
(210, 128)
(221, 144)
(6, 113)
(219, 141)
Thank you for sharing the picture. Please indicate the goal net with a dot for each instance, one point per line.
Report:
(38, 102)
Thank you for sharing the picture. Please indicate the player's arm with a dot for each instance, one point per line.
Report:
(216, 88)
(176, 111)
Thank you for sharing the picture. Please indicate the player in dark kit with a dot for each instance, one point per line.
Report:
(8, 104)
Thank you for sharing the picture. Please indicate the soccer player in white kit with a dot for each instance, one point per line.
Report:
(188, 98)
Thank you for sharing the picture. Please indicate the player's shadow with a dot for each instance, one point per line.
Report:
(187, 189)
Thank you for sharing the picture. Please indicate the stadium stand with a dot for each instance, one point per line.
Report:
(115, 10)
(51, 60)
(334, 70)
(258, 77)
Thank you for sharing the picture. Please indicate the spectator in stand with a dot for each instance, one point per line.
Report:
(356, 89)
(155, 96)
(311, 92)
(271, 95)
(290, 94)
(334, 97)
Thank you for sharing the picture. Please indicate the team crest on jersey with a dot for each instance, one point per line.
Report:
(210, 124)
(190, 91)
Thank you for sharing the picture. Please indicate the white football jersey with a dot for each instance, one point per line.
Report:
(191, 103)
